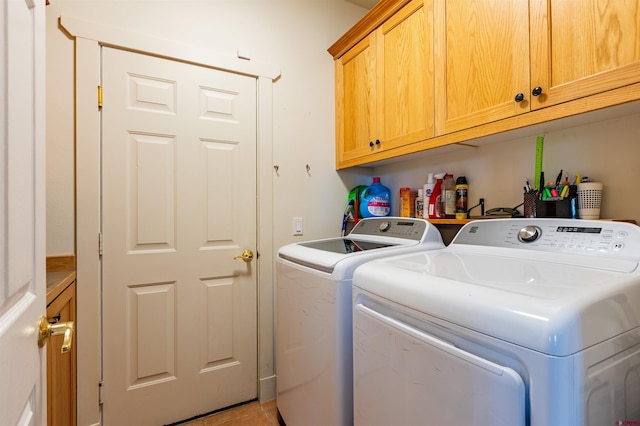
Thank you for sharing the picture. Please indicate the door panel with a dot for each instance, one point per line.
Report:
(357, 100)
(405, 82)
(482, 62)
(179, 202)
(403, 375)
(608, 57)
(22, 221)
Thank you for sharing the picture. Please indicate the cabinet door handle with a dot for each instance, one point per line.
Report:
(519, 97)
(377, 141)
(537, 91)
(371, 144)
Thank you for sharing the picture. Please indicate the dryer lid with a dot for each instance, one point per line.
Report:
(370, 239)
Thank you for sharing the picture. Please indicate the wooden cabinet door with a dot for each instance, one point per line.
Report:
(482, 62)
(583, 47)
(405, 76)
(356, 101)
(384, 86)
(61, 367)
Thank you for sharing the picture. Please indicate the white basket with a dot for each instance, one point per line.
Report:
(589, 200)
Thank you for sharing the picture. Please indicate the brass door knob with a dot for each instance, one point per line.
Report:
(53, 329)
(246, 255)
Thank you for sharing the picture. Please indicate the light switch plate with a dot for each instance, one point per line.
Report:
(297, 226)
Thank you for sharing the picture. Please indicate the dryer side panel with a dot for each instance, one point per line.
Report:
(313, 347)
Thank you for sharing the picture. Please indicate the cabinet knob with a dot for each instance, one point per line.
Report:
(537, 91)
(377, 141)
(519, 97)
(371, 144)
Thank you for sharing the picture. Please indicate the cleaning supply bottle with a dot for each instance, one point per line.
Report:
(420, 205)
(427, 188)
(449, 196)
(436, 201)
(462, 197)
(375, 200)
(405, 199)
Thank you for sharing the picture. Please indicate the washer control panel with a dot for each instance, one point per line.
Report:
(602, 238)
(529, 234)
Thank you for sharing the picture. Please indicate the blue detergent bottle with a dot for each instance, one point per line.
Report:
(375, 200)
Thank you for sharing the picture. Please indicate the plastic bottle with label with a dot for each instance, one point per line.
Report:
(462, 197)
(420, 205)
(427, 189)
(375, 200)
(436, 200)
(405, 200)
(449, 195)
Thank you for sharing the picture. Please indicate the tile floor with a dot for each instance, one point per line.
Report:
(250, 414)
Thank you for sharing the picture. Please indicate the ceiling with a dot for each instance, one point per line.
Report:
(368, 4)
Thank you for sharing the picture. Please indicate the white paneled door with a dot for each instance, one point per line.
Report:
(22, 216)
(178, 205)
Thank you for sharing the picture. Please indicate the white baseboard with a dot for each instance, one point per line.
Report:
(267, 389)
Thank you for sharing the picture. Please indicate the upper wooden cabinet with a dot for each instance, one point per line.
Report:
(582, 48)
(416, 75)
(497, 59)
(482, 62)
(356, 102)
(384, 85)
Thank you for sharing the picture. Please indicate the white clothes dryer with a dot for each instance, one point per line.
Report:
(313, 315)
(518, 322)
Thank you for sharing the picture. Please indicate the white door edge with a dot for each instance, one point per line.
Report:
(23, 394)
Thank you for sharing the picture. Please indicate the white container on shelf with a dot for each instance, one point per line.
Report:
(589, 200)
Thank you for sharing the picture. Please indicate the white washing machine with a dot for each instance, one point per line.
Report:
(313, 309)
(518, 322)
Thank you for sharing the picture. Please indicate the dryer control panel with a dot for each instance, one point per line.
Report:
(397, 227)
(602, 238)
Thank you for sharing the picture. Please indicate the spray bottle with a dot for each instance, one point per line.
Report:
(436, 201)
(462, 197)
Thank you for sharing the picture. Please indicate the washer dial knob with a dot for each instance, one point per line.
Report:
(384, 226)
(529, 234)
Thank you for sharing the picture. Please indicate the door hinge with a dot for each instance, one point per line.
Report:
(99, 96)
(99, 243)
(100, 392)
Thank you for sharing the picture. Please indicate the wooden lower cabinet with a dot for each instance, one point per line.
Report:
(61, 367)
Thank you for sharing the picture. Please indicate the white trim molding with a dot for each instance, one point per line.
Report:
(139, 42)
(89, 37)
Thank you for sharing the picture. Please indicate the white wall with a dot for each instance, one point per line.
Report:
(606, 151)
(292, 34)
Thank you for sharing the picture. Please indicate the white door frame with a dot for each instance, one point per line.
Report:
(89, 37)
